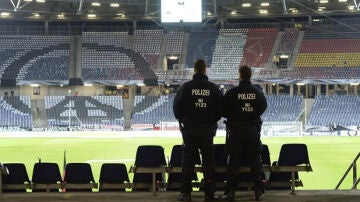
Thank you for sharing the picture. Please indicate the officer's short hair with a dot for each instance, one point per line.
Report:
(245, 72)
(199, 66)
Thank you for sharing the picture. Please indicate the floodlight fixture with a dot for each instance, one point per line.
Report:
(114, 5)
(91, 15)
(351, 7)
(4, 14)
(61, 16)
(96, 4)
(263, 11)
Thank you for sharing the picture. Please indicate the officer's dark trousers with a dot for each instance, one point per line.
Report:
(193, 141)
(244, 143)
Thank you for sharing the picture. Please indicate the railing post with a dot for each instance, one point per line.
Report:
(0, 182)
(354, 168)
(354, 175)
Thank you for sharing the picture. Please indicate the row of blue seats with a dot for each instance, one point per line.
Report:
(114, 176)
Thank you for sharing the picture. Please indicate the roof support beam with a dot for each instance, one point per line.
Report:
(80, 6)
(357, 4)
(12, 2)
(146, 7)
(284, 7)
(18, 5)
(215, 7)
(15, 6)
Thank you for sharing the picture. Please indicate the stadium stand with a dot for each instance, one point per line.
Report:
(335, 112)
(283, 108)
(174, 43)
(104, 57)
(161, 75)
(148, 43)
(288, 40)
(227, 54)
(326, 53)
(153, 109)
(15, 112)
(84, 111)
(201, 45)
(321, 73)
(34, 58)
(110, 56)
(258, 46)
(156, 109)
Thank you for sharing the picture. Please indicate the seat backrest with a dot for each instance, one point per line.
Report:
(265, 155)
(176, 161)
(293, 154)
(150, 156)
(78, 173)
(220, 161)
(113, 173)
(176, 156)
(17, 174)
(46, 173)
(220, 155)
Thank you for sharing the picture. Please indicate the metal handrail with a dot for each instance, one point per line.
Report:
(354, 168)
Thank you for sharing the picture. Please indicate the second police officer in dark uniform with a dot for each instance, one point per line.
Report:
(243, 106)
(197, 107)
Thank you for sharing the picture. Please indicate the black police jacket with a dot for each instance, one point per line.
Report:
(198, 102)
(244, 103)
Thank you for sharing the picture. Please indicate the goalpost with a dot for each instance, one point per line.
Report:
(169, 125)
(290, 129)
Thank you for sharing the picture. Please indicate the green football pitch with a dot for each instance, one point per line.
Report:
(329, 156)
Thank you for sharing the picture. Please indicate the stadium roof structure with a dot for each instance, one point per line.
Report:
(149, 10)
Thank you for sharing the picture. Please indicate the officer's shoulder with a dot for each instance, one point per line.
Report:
(257, 88)
(187, 83)
(231, 91)
(212, 84)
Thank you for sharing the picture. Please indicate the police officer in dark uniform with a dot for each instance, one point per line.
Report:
(243, 106)
(197, 107)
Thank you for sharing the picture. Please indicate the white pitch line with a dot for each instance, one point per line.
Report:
(110, 160)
